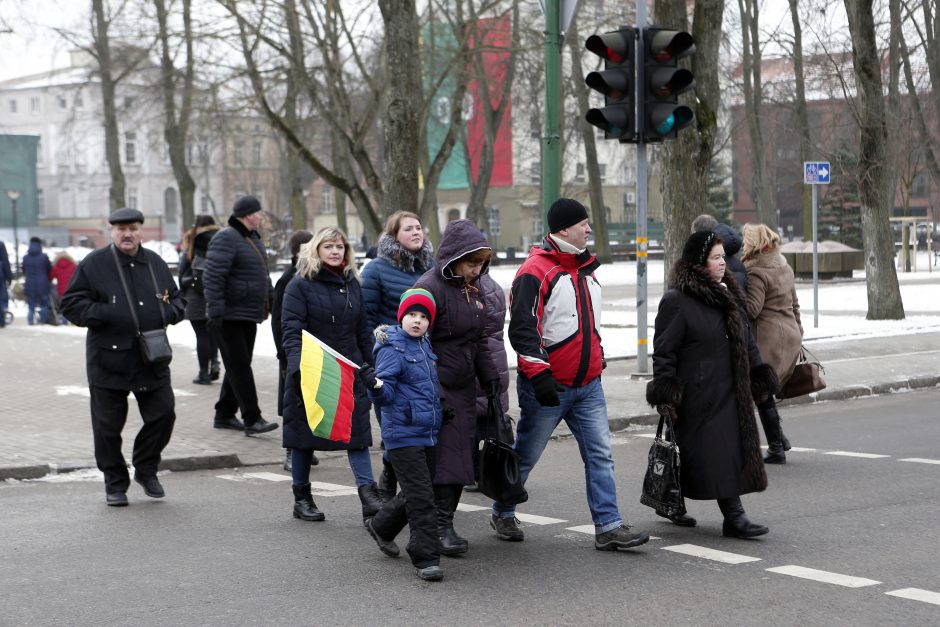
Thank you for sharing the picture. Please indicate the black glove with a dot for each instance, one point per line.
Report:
(492, 388)
(298, 393)
(448, 414)
(367, 375)
(214, 325)
(546, 389)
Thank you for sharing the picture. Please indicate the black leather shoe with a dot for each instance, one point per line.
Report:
(202, 378)
(229, 423)
(737, 525)
(681, 520)
(430, 573)
(389, 547)
(116, 499)
(260, 426)
(151, 486)
(453, 545)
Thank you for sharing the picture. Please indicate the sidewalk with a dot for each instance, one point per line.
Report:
(47, 429)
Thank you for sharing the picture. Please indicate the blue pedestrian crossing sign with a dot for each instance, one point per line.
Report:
(816, 172)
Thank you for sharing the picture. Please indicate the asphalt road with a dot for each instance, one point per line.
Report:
(222, 548)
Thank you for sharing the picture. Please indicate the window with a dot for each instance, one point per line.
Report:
(919, 186)
(63, 103)
(130, 147)
(603, 169)
(203, 152)
(256, 153)
(239, 155)
(579, 172)
(34, 104)
(12, 106)
(79, 103)
(204, 204)
(535, 173)
(39, 151)
(40, 203)
(132, 197)
(326, 197)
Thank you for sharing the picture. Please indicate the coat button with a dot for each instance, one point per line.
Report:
(114, 347)
(141, 303)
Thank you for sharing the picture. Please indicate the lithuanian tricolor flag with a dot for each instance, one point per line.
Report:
(326, 382)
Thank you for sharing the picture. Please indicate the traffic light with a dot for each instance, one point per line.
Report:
(617, 82)
(664, 80)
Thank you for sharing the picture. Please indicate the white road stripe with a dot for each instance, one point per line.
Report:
(920, 460)
(465, 507)
(800, 449)
(916, 594)
(645, 435)
(823, 576)
(851, 454)
(538, 520)
(321, 488)
(267, 476)
(711, 554)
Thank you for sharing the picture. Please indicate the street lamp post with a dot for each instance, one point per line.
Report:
(14, 195)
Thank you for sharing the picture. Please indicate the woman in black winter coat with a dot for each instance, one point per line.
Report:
(707, 368)
(192, 262)
(325, 299)
(462, 356)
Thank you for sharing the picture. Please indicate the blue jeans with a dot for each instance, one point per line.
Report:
(359, 460)
(584, 410)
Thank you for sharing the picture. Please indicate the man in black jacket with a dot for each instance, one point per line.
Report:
(238, 294)
(96, 298)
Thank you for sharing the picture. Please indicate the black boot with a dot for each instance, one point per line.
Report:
(214, 370)
(304, 507)
(202, 378)
(736, 524)
(773, 430)
(371, 500)
(447, 497)
(388, 483)
(288, 464)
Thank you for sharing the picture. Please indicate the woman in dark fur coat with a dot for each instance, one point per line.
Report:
(707, 367)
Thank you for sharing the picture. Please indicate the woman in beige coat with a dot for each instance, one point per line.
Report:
(774, 313)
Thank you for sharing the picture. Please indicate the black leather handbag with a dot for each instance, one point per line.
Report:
(661, 487)
(499, 463)
(806, 377)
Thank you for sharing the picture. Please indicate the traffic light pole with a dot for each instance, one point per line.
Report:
(551, 141)
(642, 198)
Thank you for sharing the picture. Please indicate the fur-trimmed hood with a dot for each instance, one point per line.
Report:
(391, 250)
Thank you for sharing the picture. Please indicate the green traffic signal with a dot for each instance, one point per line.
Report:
(663, 81)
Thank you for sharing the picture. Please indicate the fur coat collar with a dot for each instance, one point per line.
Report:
(391, 250)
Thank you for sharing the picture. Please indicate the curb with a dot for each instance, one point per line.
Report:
(231, 460)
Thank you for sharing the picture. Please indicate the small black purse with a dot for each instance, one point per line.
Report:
(662, 489)
(499, 463)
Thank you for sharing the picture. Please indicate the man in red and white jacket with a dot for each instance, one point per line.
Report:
(555, 308)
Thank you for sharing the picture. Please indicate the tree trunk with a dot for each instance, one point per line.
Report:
(404, 91)
(802, 115)
(687, 160)
(884, 295)
(753, 101)
(296, 205)
(598, 208)
(176, 128)
(112, 140)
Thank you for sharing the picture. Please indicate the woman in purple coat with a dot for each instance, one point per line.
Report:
(457, 340)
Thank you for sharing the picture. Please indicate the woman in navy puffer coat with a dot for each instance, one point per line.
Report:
(325, 299)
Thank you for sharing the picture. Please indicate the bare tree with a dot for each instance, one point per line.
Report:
(687, 160)
(929, 34)
(176, 122)
(109, 79)
(802, 115)
(753, 103)
(884, 295)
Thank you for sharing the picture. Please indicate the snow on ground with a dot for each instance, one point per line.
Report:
(842, 309)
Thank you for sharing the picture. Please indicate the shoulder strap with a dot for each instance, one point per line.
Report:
(127, 293)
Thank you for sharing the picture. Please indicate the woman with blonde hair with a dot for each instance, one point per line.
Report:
(774, 313)
(325, 299)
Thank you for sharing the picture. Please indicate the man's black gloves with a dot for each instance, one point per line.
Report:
(214, 325)
(492, 388)
(367, 375)
(546, 389)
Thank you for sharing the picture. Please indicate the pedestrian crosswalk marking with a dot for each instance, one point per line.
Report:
(321, 488)
(711, 554)
(267, 476)
(920, 460)
(801, 449)
(851, 454)
(583, 529)
(916, 594)
(538, 520)
(466, 507)
(824, 576)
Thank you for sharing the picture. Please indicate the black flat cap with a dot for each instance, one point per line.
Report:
(126, 216)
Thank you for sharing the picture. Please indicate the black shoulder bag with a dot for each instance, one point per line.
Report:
(499, 463)
(154, 345)
(661, 487)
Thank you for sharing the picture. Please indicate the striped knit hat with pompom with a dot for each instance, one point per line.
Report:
(417, 299)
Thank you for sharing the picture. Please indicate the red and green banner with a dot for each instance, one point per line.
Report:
(326, 382)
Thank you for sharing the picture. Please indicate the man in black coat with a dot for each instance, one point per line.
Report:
(96, 298)
(238, 294)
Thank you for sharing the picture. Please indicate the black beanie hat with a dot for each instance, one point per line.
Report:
(565, 212)
(697, 246)
(245, 206)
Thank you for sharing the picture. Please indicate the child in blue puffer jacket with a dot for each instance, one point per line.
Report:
(407, 389)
